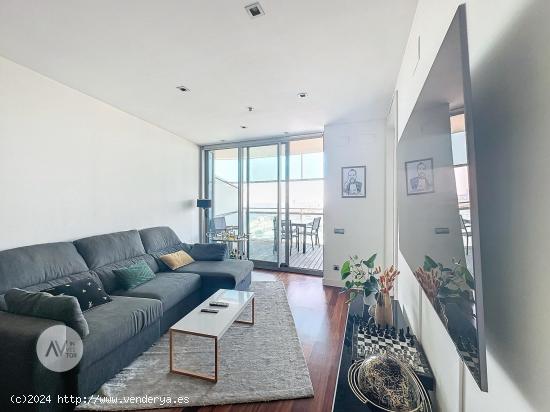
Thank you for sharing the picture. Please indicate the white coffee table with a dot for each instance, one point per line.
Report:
(211, 325)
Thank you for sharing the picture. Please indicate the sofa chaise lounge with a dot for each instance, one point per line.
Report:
(119, 330)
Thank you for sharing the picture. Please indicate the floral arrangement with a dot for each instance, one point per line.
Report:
(387, 279)
(439, 281)
(443, 284)
(429, 280)
(362, 275)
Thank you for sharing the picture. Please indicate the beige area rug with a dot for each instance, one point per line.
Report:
(261, 362)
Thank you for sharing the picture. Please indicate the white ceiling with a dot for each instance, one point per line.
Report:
(133, 53)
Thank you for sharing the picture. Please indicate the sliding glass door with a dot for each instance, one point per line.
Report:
(225, 211)
(305, 203)
(263, 198)
(273, 192)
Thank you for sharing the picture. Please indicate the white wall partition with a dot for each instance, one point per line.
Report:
(362, 219)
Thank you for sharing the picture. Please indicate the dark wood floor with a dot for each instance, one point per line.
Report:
(320, 315)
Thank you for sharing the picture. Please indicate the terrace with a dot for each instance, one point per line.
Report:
(253, 188)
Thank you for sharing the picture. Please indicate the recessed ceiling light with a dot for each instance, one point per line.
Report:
(244, 127)
(302, 94)
(183, 89)
(254, 10)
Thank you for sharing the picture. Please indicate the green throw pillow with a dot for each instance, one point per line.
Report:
(134, 275)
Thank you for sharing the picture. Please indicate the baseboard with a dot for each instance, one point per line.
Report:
(337, 283)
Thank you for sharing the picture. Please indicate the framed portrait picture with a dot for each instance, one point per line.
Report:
(420, 176)
(353, 181)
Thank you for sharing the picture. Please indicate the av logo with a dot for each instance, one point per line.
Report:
(54, 345)
(59, 348)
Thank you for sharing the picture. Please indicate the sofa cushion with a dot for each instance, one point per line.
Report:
(105, 249)
(157, 238)
(219, 275)
(43, 305)
(170, 288)
(177, 259)
(134, 275)
(209, 251)
(31, 265)
(113, 324)
(167, 250)
(87, 291)
(108, 277)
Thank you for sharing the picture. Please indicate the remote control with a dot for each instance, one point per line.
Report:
(206, 310)
(220, 304)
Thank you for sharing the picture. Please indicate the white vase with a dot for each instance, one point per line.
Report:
(369, 300)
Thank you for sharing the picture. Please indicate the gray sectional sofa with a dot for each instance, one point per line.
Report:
(119, 330)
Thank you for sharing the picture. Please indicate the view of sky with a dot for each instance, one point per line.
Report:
(302, 166)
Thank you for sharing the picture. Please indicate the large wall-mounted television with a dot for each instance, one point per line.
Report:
(437, 200)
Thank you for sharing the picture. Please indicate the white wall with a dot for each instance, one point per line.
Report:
(353, 144)
(511, 88)
(72, 166)
(390, 218)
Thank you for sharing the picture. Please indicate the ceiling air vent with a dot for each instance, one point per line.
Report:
(254, 10)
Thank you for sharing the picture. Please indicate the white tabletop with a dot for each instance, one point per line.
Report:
(215, 324)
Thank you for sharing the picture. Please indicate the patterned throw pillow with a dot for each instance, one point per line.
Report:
(177, 260)
(87, 291)
(134, 275)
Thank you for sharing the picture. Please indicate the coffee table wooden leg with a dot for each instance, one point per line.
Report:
(199, 375)
(248, 322)
(216, 359)
(171, 357)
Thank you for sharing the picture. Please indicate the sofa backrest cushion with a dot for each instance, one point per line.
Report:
(157, 238)
(103, 250)
(38, 264)
(109, 278)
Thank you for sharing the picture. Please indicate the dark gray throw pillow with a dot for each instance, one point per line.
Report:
(88, 292)
(43, 305)
(208, 251)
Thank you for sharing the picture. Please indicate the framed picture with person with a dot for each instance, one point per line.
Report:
(353, 181)
(420, 176)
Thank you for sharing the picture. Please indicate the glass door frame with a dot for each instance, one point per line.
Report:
(265, 264)
(244, 178)
(208, 173)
